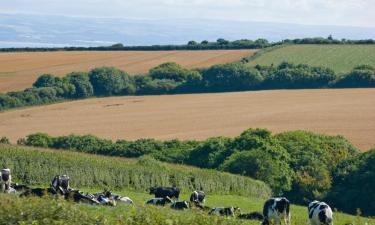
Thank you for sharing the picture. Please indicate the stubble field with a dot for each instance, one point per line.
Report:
(20, 70)
(347, 112)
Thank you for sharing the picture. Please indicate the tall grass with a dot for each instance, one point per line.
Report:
(37, 167)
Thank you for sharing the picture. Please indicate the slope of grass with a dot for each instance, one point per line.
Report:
(38, 167)
(50, 211)
(340, 58)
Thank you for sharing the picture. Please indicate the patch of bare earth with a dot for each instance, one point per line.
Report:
(19, 70)
(347, 112)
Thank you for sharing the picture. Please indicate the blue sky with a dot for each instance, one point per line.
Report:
(327, 12)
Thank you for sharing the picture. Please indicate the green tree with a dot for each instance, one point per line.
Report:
(107, 81)
(170, 71)
(81, 82)
(46, 80)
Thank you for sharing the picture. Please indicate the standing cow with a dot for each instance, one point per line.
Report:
(320, 213)
(197, 196)
(163, 192)
(276, 209)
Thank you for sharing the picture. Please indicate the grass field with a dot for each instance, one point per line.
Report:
(20, 70)
(340, 58)
(348, 112)
(35, 161)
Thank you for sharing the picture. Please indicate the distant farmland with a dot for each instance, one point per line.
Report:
(348, 112)
(19, 70)
(340, 58)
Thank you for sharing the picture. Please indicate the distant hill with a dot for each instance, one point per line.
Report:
(340, 58)
(25, 30)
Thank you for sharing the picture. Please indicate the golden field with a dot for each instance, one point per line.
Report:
(19, 70)
(347, 112)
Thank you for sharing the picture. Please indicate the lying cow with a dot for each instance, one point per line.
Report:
(115, 197)
(320, 213)
(276, 209)
(252, 216)
(197, 196)
(163, 192)
(159, 201)
(6, 181)
(199, 206)
(229, 211)
(180, 205)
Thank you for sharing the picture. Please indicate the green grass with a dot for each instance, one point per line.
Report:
(141, 214)
(340, 58)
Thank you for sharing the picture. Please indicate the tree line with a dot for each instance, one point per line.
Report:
(172, 78)
(300, 165)
(220, 43)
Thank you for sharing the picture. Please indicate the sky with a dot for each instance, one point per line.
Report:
(318, 12)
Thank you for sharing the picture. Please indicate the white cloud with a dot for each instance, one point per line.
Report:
(340, 12)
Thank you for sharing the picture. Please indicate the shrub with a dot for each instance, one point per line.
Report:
(108, 81)
(169, 71)
(4, 140)
(46, 80)
(232, 76)
(361, 76)
(82, 85)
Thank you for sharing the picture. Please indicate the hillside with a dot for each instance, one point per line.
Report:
(348, 112)
(20, 70)
(116, 171)
(340, 58)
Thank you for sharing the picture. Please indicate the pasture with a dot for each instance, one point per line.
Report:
(19, 70)
(88, 173)
(340, 58)
(347, 112)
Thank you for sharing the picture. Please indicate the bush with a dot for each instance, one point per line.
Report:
(4, 140)
(108, 81)
(169, 71)
(82, 85)
(361, 76)
(232, 77)
(46, 80)
(354, 183)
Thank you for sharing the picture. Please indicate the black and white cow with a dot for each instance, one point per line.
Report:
(252, 216)
(163, 192)
(6, 181)
(159, 201)
(276, 209)
(228, 211)
(180, 205)
(197, 196)
(61, 183)
(320, 213)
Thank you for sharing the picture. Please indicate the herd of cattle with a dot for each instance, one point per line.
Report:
(275, 209)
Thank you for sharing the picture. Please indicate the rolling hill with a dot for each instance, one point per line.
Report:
(340, 58)
(109, 171)
(19, 70)
(347, 112)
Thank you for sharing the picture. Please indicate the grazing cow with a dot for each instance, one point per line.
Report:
(159, 201)
(6, 181)
(61, 183)
(197, 196)
(229, 211)
(320, 213)
(252, 216)
(163, 192)
(180, 205)
(276, 209)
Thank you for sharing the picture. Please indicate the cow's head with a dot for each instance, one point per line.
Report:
(5, 175)
(152, 190)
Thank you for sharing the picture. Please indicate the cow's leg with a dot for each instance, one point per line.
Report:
(287, 219)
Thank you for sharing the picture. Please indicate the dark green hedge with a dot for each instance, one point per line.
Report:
(299, 164)
(171, 78)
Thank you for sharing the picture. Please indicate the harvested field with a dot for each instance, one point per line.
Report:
(348, 112)
(20, 70)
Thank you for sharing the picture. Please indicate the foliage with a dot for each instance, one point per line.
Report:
(361, 76)
(297, 164)
(232, 77)
(354, 183)
(171, 78)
